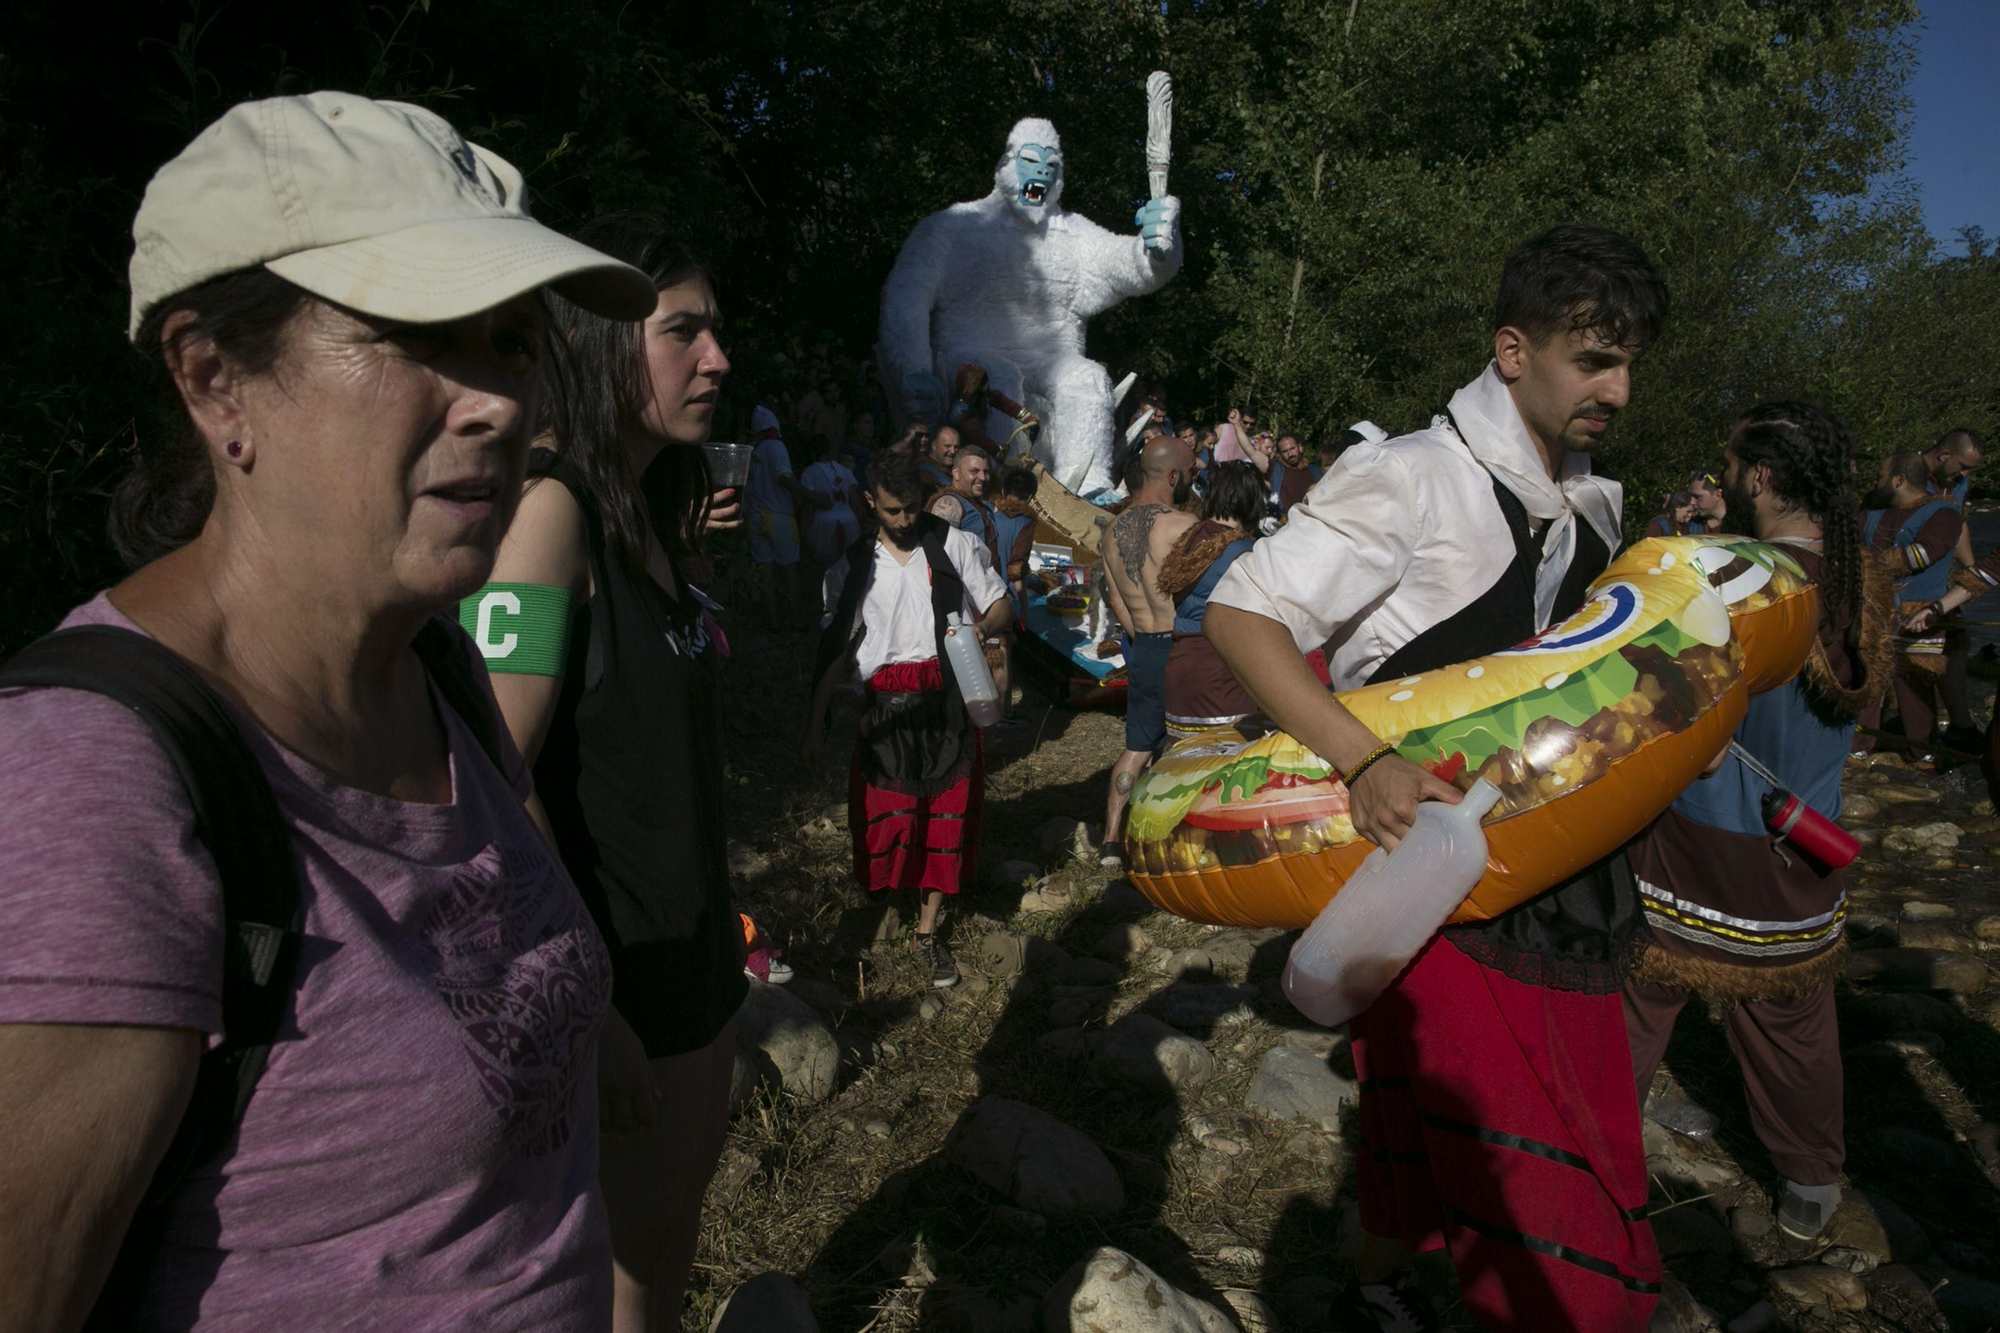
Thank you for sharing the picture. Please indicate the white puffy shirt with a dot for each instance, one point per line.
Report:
(1394, 539)
(895, 616)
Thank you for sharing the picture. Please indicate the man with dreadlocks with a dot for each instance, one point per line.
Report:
(1753, 928)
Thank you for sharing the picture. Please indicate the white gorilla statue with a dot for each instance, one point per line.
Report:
(1007, 282)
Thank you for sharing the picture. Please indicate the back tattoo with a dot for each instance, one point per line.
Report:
(1133, 531)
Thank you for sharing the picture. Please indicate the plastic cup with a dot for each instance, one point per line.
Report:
(729, 464)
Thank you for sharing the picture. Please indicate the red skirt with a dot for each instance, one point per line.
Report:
(1501, 1121)
(916, 842)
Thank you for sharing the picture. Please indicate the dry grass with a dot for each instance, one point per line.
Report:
(803, 1189)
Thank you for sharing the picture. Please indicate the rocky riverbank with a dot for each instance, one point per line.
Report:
(1117, 1122)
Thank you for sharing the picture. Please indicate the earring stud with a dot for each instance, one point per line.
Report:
(236, 448)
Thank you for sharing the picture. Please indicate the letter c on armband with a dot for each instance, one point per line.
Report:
(482, 633)
(521, 628)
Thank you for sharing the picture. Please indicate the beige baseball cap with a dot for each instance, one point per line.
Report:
(378, 206)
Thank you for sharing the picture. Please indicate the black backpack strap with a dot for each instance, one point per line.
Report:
(444, 657)
(236, 817)
(235, 813)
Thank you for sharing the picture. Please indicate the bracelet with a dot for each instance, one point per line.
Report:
(1368, 761)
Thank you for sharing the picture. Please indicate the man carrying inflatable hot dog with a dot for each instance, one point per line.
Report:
(1497, 1104)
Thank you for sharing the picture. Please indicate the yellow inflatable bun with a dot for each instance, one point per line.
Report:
(1589, 730)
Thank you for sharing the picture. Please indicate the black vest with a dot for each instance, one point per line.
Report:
(915, 743)
(1578, 935)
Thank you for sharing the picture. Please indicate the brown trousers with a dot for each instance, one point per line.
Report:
(1789, 1052)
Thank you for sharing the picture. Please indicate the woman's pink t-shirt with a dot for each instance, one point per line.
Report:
(421, 1150)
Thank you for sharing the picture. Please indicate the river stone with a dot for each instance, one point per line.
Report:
(1078, 1008)
(1253, 1313)
(742, 1079)
(1085, 972)
(1120, 898)
(1198, 1005)
(1066, 1043)
(1931, 935)
(1755, 1319)
(1109, 1291)
(1046, 898)
(1859, 806)
(1984, 1140)
(1007, 955)
(1296, 1085)
(1918, 1150)
(1937, 839)
(1314, 1041)
(1816, 1284)
(823, 996)
(785, 1041)
(1688, 1229)
(1013, 874)
(1751, 1220)
(1679, 1312)
(1231, 955)
(767, 1303)
(1925, 969)
(1987, 929)
(1876, 1223)
(1122, 943)
(1970, 1302)
(1917, 909)
(1141, 1049)
(1676, 1159)
(1033, 1159)
(1068, 837)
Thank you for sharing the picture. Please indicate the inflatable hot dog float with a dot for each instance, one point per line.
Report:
(1589, 731)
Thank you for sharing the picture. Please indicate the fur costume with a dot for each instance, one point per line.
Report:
(1006, 284)
(1192, 555)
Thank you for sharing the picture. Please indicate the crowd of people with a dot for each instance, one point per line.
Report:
(424, 543)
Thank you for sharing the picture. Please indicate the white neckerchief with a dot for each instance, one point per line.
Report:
(1492, 429)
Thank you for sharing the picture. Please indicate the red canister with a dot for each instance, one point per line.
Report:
(1808, 830)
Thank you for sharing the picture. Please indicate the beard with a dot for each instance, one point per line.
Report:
(1182, 490)
(1879, 497)
(1739, 512)
(903, 539)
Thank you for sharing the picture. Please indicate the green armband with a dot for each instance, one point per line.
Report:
(522, 629)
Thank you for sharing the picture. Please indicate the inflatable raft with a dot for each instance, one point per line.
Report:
(1589, 731)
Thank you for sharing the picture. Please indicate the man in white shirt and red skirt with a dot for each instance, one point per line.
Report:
(917, 779)
(1497, 1101)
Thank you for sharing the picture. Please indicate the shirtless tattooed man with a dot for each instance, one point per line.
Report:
(1139, 540)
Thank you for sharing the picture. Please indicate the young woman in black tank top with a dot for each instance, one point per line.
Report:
(626, 745)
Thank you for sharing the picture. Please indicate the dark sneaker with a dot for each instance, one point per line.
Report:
(1801, 1218)
(1111, 855)
(944, 972)
(1395, 1306)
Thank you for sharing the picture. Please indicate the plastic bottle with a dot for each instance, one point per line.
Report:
(968, 668)
(1385, 912)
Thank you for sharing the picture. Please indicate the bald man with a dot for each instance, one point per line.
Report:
(1138, 540)
(943, 452)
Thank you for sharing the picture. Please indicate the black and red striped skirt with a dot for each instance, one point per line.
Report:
(913, 804)
(1500, 1120)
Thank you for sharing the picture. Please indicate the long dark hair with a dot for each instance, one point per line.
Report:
(1811, 457)
(596, 387)
(162, 503)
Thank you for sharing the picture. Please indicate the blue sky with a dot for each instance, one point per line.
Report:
(1955, 137)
